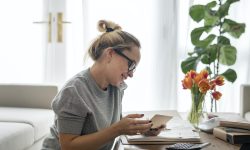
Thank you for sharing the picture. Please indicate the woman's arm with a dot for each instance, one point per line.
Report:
(128, 126)
(87, 142)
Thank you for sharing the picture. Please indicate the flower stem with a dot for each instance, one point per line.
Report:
(196, 109)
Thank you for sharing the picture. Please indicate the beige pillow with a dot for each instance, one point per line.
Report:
(247, 116)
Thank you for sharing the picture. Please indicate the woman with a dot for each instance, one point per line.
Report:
(88, 107)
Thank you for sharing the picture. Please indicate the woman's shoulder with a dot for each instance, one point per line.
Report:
(78, 79)
(73, 86)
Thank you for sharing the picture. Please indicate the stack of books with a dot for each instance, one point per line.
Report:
(233, 132)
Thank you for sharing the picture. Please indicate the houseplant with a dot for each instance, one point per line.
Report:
(215, 49)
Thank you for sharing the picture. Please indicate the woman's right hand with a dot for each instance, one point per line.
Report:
(132, 125)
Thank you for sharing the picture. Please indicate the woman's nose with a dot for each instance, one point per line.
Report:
(130, 74)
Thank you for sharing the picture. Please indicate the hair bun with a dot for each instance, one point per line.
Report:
(107, 26)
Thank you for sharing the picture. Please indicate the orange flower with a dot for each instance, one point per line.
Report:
(216, 95)
(187, 83)
(200, 84)
(198, 78)
(212, 85)
(204, 73)
(204, 86)
(192, 74)
(219, 80)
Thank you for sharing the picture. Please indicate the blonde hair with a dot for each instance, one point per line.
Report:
(112, 36)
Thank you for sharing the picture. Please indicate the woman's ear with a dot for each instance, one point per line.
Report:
(108, 53)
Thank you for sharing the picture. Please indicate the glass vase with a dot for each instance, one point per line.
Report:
(196, 111)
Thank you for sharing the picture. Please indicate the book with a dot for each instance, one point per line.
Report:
(232, 136)
(239, 130)
(235, 124)
(168, 135)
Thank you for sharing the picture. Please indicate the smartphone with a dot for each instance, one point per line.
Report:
(159, 120)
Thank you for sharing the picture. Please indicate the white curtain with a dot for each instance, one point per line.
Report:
(164, 59)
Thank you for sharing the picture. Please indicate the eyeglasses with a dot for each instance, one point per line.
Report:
(131, 63)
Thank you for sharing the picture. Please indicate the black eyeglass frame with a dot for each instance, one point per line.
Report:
(131, 63)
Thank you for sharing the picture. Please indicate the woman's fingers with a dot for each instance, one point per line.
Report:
(146, 126)
(134, 116)
(141, 121)
(152, 132)
(139, 126)
(163, 126)
(155, 131)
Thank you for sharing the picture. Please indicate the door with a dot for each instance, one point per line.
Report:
(33, 47)
(55, 51)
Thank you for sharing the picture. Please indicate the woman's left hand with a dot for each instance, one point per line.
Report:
(155, 131)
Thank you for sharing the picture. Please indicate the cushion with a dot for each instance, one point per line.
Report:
(247, 116)
(27, 96)
(15, 136)
(39, 119)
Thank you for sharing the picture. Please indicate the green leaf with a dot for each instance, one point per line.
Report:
(189, 64)
(210, 54)
(199, 51)
(227, 55)
(212, 51)
(213, 55)
(197, 12)
(210, 20)
(223, 40)
(196, 34)
(211, 17)
(223, 9)
(233, 28)
(230, 75)
(205, 59)
(211, 4)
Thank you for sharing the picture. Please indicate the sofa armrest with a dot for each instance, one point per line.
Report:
(29, 96)
(244, 99)
(247, 116)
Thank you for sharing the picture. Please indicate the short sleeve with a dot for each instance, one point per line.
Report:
(71, 111)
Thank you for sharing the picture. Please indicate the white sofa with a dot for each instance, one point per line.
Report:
(25, 115)
(245, 101)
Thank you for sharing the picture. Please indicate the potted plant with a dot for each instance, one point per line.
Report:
(215, 49)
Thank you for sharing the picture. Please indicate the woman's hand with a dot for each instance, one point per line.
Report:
(155, 131)
(130, 125)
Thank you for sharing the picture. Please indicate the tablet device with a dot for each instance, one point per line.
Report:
(159, 120)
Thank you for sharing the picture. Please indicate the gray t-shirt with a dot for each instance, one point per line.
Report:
(81, 108)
